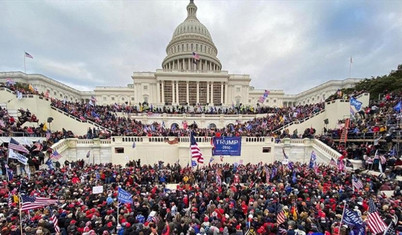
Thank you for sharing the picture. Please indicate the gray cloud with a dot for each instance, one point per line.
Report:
(289, 45)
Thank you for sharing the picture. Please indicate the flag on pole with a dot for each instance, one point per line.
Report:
(55, 155)
(10, 82)
(31, 88)
(30, 203)
(280, 218)
(195, 150)
(19, 157)
(351, 218)
(124, 197)
(397, 107)
(16, 146)
(88, 153)
(10, 173)
(196, 58)
(55, 223)
(351, 60)
(356, 183)
(355, 103)
(374, 221)
(28, 55)
(313, 159)
(341, 165)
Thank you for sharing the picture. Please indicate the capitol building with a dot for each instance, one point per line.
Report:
(190, 74)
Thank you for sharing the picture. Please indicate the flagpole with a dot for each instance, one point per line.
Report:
(25, 69)
(19, 205)
(343, 213)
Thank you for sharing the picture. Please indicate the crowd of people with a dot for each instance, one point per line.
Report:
(212, 199)
(106, 116)
(378, 125)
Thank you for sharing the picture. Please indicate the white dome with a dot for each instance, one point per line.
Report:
(191, 37)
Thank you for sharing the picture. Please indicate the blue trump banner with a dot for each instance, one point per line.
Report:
(354, 222)
(355, 103)
(124, 196)
(227, 146)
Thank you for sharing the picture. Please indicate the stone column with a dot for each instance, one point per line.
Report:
(198, 92)
(177, 92)
(208, 101)
(163, 92)
(158, 92)
(221, 92)
(226, 93)
(212, 93)
(187, 95)
(173, 93)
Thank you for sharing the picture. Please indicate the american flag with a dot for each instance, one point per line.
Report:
(280, 218)
(383, 159)
(30, 203)
(196, 57)
(195, 150)
(356, 183)
(10, 81)
(341, 165)
(16, 146)
(313, 159)
(374, 221)
(55, 223)
(28, 55)
(55, 155)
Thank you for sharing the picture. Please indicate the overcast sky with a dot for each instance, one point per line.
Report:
(289, 45)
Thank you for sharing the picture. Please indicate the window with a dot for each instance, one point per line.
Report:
(145, 88)
(237, 89)
(266, 149)
(274, 101)
(112, 98)
(132, 98)
(104, 98)
(118, 150)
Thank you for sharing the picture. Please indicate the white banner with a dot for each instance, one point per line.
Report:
(17, 156)
(97, 189)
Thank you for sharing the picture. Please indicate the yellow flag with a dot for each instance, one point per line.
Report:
(30, 87)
